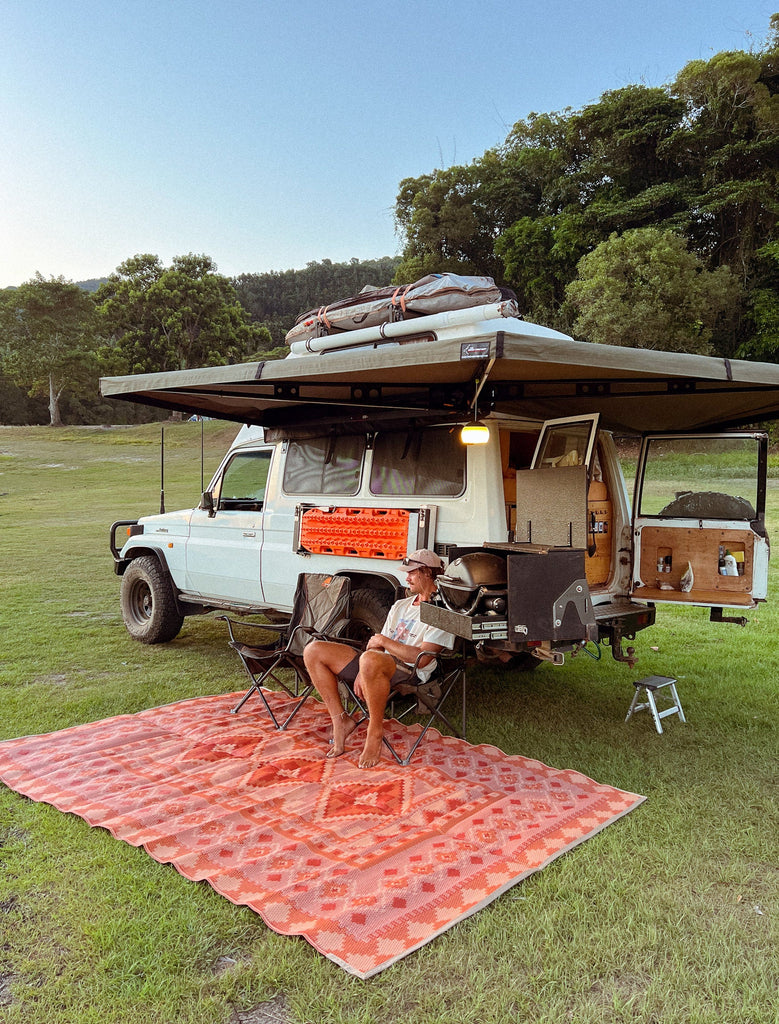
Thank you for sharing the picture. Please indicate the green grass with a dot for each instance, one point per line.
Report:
(667, 916)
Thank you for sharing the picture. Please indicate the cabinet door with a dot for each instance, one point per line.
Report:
(551, 505)
(699, 519)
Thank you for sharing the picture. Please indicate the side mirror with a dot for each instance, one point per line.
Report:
(207, 504)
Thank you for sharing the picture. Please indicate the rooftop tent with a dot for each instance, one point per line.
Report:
(430, 368)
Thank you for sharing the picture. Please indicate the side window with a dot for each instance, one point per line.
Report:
(704, 477)
(324, 465)
(242, 485)
(566, 442)
(428, 462)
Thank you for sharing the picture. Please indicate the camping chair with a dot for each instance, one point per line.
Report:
(425, 699)
(320, 609)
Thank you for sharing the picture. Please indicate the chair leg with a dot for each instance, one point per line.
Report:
(242, 701)
(435, 713)
(303, 698)
(256, 687)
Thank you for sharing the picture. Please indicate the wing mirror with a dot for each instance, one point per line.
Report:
(207, 504)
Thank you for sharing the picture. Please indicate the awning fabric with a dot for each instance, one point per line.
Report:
(517, 369)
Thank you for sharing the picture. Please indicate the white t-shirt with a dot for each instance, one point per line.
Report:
(404, 625)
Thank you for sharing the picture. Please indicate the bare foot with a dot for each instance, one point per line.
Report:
(371, 752)
(343, 727)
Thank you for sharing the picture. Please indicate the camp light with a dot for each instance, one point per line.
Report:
(475, 432)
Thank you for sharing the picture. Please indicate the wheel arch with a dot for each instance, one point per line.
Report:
(140, 551)
(385, 583)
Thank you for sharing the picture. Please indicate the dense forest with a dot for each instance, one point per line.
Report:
(648, 218)
(275, 299)
(596, 211)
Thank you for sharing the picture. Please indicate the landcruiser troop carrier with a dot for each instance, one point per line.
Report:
(355, 450)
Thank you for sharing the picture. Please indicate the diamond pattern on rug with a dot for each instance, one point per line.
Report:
(366, 865)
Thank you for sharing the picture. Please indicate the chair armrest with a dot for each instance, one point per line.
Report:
(272, 627)
(442, 655)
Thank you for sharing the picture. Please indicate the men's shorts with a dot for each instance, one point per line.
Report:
(350, 672)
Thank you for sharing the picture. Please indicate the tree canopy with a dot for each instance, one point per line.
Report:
(177, 317)
(644, 289)
(699, 158)
(274, 299)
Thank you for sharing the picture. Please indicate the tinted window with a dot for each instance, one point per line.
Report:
(327, 465)
(422, 462)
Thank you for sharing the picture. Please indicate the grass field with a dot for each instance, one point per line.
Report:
(670, 915)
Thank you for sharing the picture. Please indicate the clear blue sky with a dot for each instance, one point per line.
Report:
(268, 134)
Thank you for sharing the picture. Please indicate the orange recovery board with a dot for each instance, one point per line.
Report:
(355, 532)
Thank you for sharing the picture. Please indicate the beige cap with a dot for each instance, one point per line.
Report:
(424, 556)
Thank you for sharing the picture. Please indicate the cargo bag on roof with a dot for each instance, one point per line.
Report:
(435, 293)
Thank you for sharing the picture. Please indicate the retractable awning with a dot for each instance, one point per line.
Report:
(524, 370)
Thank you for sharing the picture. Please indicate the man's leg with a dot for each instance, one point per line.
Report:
(376, 671)
(324, 660)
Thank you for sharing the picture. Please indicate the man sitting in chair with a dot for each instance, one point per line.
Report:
(388, 659)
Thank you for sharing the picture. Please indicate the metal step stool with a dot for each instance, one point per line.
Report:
(650, 686)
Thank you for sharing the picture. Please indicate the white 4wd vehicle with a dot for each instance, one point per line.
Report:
(352, 454)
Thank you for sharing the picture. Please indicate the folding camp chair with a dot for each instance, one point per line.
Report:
(413, 697)
(320, 609)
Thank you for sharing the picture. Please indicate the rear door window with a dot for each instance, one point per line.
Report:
(324, 465)
(701, 477)
(419, 462)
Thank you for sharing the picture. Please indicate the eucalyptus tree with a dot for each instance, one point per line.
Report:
(50, 341)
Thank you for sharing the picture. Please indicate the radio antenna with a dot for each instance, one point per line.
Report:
(162, 470)
(202, 457)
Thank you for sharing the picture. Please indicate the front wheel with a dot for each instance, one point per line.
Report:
(148, 602)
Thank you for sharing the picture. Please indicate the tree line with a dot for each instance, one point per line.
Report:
(647, 219)
(57, 338)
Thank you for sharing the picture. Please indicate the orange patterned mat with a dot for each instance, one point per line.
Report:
(366, 865)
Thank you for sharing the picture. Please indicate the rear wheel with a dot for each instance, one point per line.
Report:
(369, 611)
(148, 602)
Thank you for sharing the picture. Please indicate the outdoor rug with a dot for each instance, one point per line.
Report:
(366, 865)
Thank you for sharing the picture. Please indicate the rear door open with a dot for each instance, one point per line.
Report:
(699, 520)
(552, 494)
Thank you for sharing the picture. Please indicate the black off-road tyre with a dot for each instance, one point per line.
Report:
(149, 607)
(369, 611)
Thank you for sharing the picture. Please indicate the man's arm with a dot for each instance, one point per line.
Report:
(403, 652)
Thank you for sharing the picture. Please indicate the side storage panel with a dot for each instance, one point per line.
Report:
(548, 596)
(666, 552)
